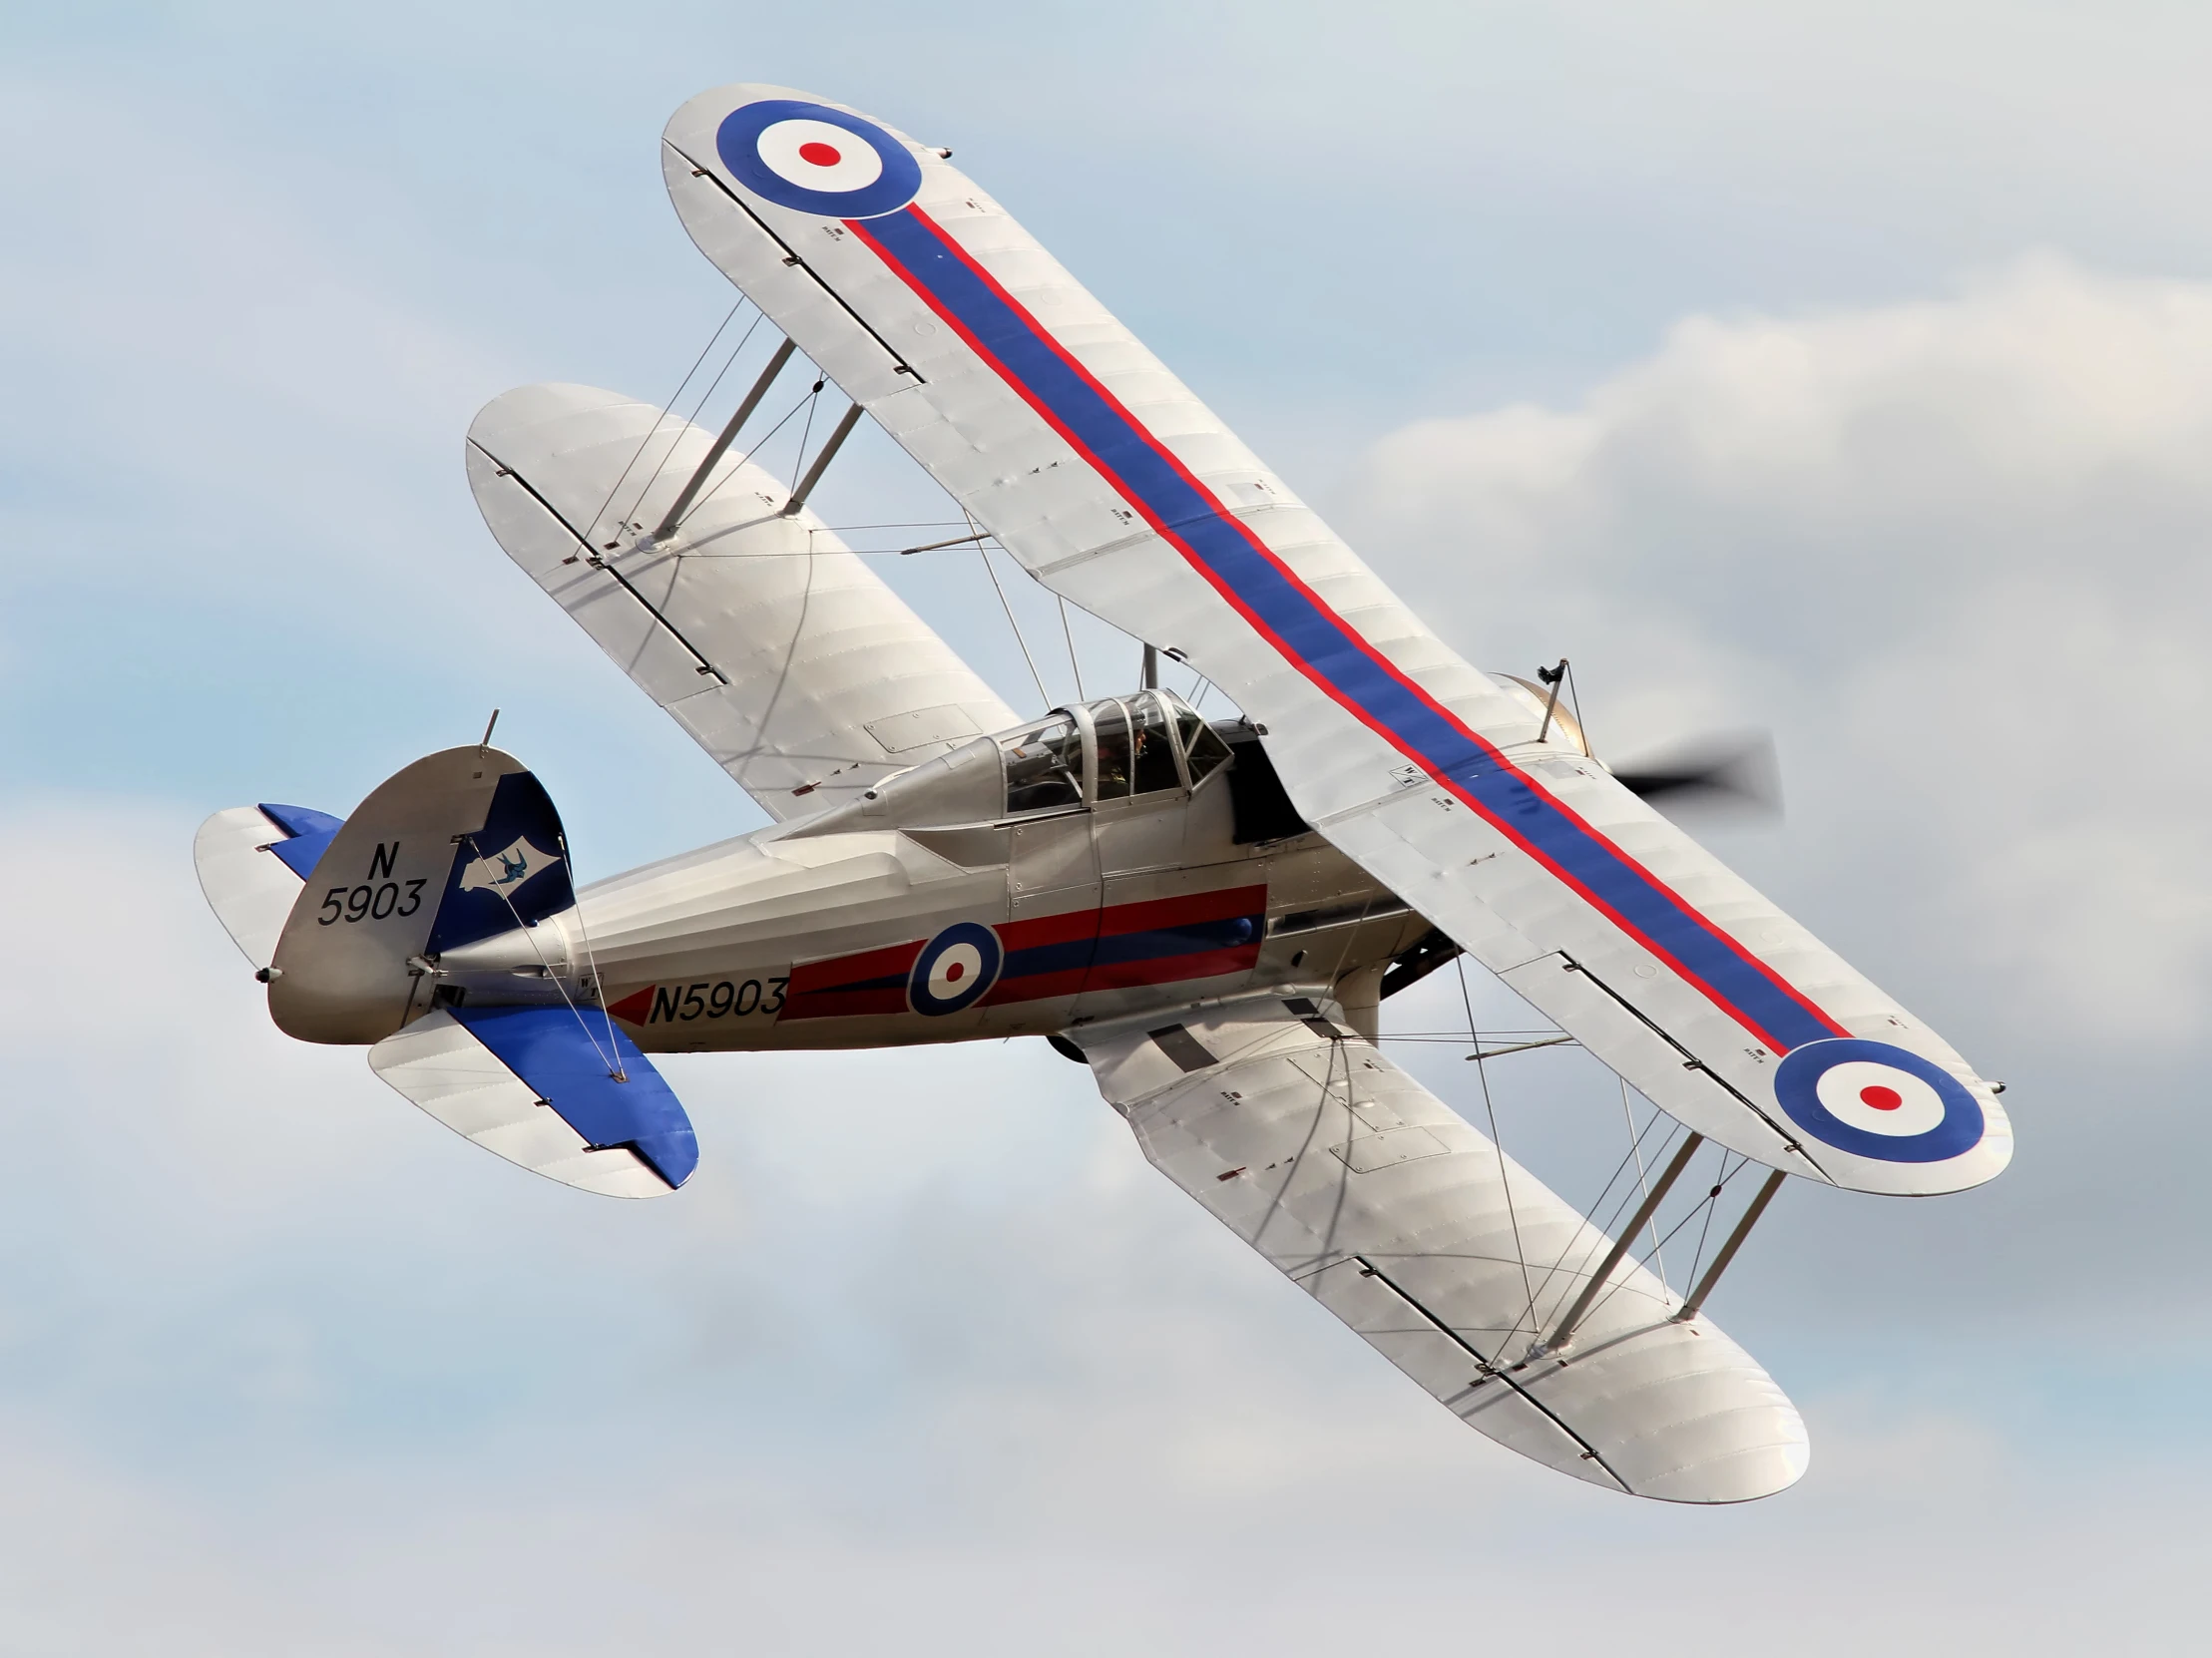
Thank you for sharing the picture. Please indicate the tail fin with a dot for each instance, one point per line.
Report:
(460, 846)
(456, 847)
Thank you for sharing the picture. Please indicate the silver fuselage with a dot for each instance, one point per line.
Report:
(818, 935)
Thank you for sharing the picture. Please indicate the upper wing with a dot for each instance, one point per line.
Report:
(1116, 487)
(780, 652)
(1392, 1212)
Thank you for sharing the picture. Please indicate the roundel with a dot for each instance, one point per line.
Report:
(1875, 1100)
(818, 160)
(955, 969)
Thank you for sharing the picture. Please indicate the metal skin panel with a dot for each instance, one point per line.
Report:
(441, 1066)
(1116, 488)
(1383, 1205)
(832, 682)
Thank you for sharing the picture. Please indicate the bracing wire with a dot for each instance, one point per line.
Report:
(1704, 1232)
(1595, 1245)
(1643, 1173)
(1497, 1143)
(721, 375)
(591, 959)
(591, 528)
(711, 489)
(1642, 1189)
(612, 1060)
(798, 460)
(983, 553)
(1703, 1206)
(1067, 632)
(729, 362)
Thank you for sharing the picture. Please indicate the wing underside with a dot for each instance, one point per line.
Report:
(1116, 488)
(1381, 1203)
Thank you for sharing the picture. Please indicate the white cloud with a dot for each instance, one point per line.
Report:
(1955, 550)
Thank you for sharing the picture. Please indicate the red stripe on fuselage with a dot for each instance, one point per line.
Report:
(873, 981)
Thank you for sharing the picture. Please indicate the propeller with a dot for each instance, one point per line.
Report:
(1734, 772)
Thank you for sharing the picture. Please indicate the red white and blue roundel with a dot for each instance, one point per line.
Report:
(1875, 1100)
(818, 160)
(955, 969)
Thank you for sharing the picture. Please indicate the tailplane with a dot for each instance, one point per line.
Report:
(251, 862)
(346, 919)
(560, 1092)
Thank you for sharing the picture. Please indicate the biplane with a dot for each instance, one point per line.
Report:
(1207, 911)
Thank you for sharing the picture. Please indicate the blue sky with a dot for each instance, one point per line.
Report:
(1840, 370)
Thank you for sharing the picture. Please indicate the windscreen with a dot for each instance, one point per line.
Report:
(1044, 768)
(1136, 748)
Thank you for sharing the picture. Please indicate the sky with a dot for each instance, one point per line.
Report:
(1841, 372)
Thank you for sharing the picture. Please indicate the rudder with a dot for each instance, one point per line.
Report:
(457, 847)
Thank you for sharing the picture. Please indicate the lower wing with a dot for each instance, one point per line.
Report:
(1381, 1203)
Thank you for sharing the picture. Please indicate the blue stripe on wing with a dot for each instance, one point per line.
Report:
(1326, 647)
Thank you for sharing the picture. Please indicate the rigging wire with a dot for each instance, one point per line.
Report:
(1643, 1173)
(1497, 1144)
(591, 528)
(1459, 1036)
(714, 487)
(591, 957)
(798, 460)
(1067, 632)
(721, 375)
(1642, 1189)
(902, 523)
(1703, 1206)
(729, 362)
(1598, 1245)
(612, 1060)
(1697, 1258)
(983, 553)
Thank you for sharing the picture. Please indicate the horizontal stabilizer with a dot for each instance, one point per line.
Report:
(250, 861)
(308, 835)
(573, 1102)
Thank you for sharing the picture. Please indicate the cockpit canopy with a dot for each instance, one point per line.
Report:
(1094, 754)
(1109, 749)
